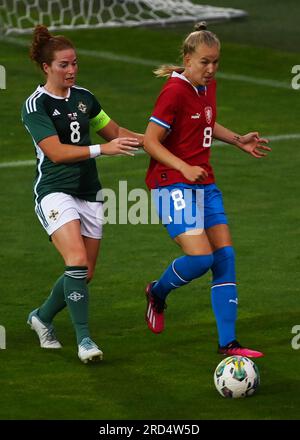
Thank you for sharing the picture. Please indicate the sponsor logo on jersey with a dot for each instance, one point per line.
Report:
(56, 113)
(82, 107)
(208, 114)
(196, 116)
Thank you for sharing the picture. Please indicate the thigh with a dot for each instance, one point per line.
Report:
(219, 236)
(181, 209)
(214, 212)
(91, 218)
(55, 210)
(194, 244)
(70, 244)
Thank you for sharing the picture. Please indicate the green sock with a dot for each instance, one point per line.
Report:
(54, 303)
(76, 297)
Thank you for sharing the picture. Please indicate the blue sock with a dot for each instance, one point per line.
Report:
(224, 293)
(180, 272)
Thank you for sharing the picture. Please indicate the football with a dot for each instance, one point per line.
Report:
(236, 376)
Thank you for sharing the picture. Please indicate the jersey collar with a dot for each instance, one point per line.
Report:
(198, 89)
(41, 88)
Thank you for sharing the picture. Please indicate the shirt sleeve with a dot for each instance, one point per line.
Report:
(95, 107)
(38, 123)
(99, 121)
(98, 118)
(165, 108)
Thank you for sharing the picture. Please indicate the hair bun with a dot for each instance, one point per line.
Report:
(41, 34)
(201, 26)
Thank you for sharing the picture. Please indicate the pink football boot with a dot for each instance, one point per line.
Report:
(155, 310)
(234, 348)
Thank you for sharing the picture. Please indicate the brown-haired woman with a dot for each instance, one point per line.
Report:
(58, 116)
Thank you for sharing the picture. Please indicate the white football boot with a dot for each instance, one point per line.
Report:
(44, 331)
(89, 351)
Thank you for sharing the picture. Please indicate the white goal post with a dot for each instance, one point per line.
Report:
(21, 16)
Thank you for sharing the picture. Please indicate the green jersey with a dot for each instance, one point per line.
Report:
(44, 115)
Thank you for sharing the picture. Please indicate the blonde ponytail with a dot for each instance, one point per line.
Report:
(166, 70)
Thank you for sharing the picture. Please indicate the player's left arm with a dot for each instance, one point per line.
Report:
(113, 130)
(108, 129)
(251, 143)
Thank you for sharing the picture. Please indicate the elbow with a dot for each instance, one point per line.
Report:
(147, 143)
(56, 159)
(150, 144)
(57, 155)
(52, 149)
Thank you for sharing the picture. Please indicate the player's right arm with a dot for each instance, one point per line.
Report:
(45, 136)
(67, 153)
(153, 145)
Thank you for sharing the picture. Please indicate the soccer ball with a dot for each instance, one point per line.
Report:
(236, 376)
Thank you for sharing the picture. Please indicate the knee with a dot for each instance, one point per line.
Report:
(224, 253)
(223, 267)
(90, 275)
(77, 259)
(206, 261)
(197, 265)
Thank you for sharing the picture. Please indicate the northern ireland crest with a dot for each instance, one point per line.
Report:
(82, 107)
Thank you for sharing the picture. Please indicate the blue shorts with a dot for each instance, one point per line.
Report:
(182, 207)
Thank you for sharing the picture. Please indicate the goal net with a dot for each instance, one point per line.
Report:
(22, 15)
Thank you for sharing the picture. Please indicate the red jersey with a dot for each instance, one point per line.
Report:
(189, 115)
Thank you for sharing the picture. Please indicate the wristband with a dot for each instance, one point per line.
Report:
(95, 150)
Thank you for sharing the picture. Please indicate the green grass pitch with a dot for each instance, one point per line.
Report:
(167, 376)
